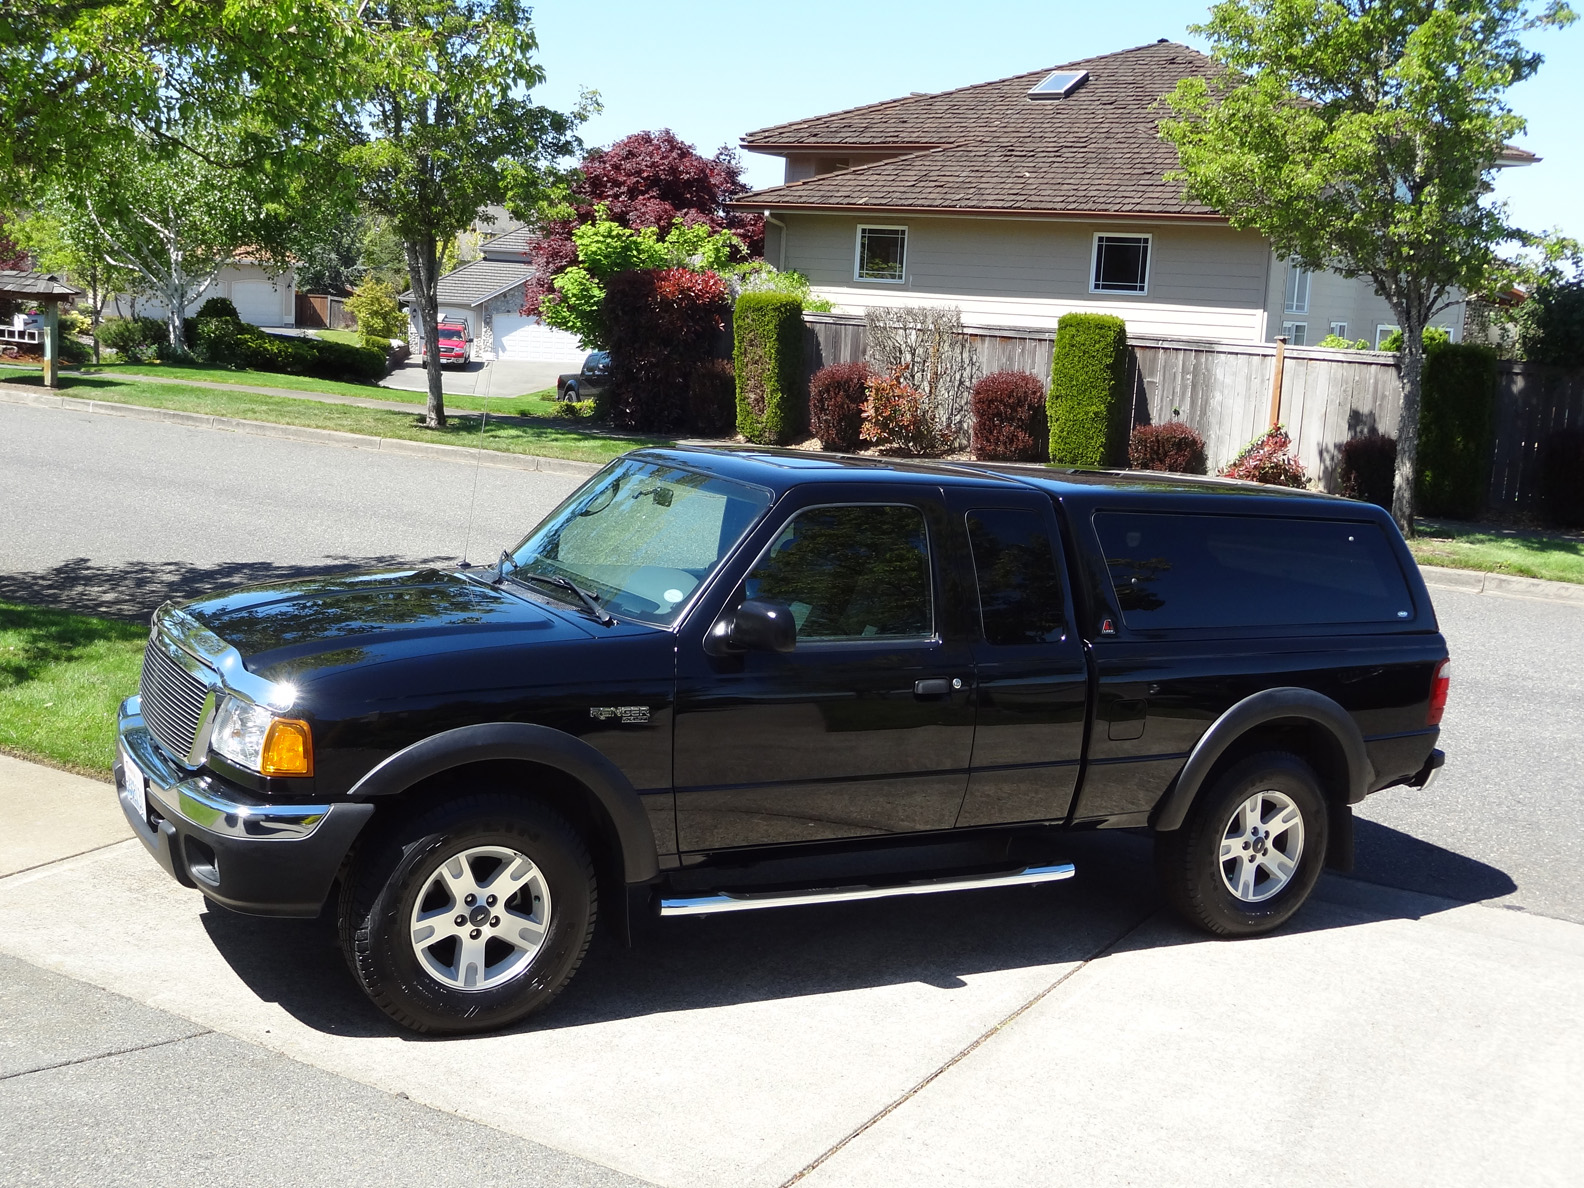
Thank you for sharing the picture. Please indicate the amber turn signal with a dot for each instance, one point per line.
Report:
(288, 749)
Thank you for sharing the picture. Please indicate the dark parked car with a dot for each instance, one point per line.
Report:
(589, 382)
(720, 680)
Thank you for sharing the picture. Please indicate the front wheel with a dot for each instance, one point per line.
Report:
(472, 917)
(1251, 850)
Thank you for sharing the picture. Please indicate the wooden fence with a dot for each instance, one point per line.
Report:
(323, 311)
(1223, 389)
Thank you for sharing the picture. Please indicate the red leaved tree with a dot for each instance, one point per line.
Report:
(12, 257)
(663, 324)
(648, 179)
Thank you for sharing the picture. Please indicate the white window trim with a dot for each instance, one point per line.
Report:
(1339, 329)
(1149, 262)
(1301, 288)
(1384, 331)
(858, 254)
(1288, 329)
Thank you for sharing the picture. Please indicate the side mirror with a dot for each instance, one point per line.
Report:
(754, 626)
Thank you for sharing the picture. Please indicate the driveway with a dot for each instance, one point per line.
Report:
(498, 377)
(1419, 1023)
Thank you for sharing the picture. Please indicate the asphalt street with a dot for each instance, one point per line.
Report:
(1419, 1023)
(116, 515)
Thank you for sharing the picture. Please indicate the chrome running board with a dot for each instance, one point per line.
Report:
(705, 905)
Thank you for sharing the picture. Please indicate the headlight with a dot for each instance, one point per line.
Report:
(252, 737)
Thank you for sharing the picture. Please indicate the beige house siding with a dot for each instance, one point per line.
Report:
(1335, 298)
(1204, 282)
(262, 297)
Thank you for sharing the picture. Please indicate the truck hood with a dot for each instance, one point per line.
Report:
(291, 629)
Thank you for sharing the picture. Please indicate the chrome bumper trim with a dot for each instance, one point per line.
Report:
(706, 905)
(196, 799)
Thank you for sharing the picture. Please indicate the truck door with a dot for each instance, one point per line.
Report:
(1031, 678)
(867, 725)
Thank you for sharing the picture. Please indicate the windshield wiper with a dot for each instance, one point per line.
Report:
(604, 617)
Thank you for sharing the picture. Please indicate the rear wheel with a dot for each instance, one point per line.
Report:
(471, 917)
(1251, 850)
(570, 393)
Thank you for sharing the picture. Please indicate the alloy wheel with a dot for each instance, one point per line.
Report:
(1261, 846)
(481, 918)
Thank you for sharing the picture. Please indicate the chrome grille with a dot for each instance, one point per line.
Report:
(173, 701)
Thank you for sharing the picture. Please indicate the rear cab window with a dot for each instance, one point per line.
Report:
(1207, 571)
(1019, 584)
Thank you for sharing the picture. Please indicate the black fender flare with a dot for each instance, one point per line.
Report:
(1268, 705)
(536, 744)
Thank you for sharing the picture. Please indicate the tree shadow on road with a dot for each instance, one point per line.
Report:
(702, 962)
(133, 589)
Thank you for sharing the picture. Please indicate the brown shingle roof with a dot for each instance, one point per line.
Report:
(990, 148)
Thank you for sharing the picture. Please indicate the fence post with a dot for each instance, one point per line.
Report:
(1276, 381)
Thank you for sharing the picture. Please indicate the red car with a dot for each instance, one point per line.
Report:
(456, 344)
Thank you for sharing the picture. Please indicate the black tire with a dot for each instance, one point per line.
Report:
(382, 892)
(1189, 859)
(570, 392)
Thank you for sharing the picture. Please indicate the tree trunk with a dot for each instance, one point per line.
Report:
(423, 263)
(1411, 375)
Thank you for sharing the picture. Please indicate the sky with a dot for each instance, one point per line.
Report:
(711, 70)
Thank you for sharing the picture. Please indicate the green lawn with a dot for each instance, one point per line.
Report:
(61, 678)
(552, 439)
(350, 337)
(1555, 556)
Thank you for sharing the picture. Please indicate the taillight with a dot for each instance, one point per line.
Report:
(1439, 685)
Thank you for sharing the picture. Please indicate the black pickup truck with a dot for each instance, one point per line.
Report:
(726, 679)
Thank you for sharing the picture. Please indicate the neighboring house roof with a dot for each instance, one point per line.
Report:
(476, 283)
(990, 148)
(513, 245)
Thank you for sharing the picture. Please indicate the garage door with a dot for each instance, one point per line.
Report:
(258, 302)
(520, 337)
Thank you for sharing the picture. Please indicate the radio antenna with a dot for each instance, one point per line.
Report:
(478, 461)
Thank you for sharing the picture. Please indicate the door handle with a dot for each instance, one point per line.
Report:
(935, 687)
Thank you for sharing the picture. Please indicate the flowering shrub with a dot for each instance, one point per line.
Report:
(836, 404)
(1267, 459)
(1009, 418)
(661, 324)
(1368, 469)
(1172, 447)
(898, 416)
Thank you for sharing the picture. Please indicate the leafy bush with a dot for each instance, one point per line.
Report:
(219, 307)
(74, 323)
(1434, 337)
(1562, 477)
(342, 360)
(1551, 324)
(73, 351)
(1087, 406)
(1338, 343)
(1267, 459)
(768, 359)
(374, 342)
(1456, 412)
(836, 404)
(133, 339)
(712, 399)
(215, 338)
(1173, 447)
(898, 416)
(758, 276)
(1368, 469)
(373, 304)
(1009, 418)
(573, 410)
(258, 351)
(661, 325)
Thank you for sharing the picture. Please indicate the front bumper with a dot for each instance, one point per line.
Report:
(245, 853)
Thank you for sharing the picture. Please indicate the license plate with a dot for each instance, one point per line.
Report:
(136, 785)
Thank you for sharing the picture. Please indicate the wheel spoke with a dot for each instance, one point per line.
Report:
(1231, 849)
(508, 876)
(457, 875)
(1245, 879)
(1279, 865)
(1285, 820)
(1251, 812)
(469, 968)
(519, 931)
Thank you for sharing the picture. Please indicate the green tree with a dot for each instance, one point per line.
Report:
(1361, 136)
(449, 129)
(64, 240)
(605, 247)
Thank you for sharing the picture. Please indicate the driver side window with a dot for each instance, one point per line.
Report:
(850, 573)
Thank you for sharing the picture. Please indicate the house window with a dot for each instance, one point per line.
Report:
(1297, 300)
(1339, 329)
(882, 254)
(1382, 333)
(1297, 333)
(1121, 264)
(824, 165)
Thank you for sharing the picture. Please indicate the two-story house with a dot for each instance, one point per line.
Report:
(1022, 199)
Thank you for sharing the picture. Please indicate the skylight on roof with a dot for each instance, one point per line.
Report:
(1058, 85)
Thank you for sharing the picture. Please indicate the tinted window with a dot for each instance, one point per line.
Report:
(1247, 571)
(1020, 593)
(859, 572)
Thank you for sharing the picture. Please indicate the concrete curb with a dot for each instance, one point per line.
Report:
(358, 441)
(1473, 581)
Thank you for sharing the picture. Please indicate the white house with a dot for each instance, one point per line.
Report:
(261, 297)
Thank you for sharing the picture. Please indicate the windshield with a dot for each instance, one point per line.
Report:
(452, 332)
(641, 536)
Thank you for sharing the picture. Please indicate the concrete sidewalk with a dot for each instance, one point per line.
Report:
(1071, 1034)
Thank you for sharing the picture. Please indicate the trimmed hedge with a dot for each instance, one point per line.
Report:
(1172, 447)
(1456, 415)
(1368, 468)
(836, 403)
(219, 307)
(768, 357)
(1087, 405)
(1562, 477)
(1009, 422)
